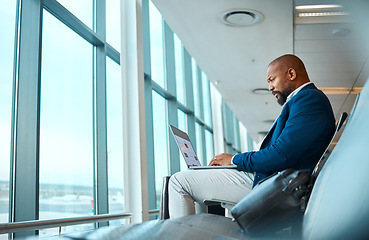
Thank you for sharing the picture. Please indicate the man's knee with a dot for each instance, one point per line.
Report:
(175, 180)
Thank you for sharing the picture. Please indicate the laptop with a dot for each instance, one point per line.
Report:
(188, 153)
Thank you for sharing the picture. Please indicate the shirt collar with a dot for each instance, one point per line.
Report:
(296, 91)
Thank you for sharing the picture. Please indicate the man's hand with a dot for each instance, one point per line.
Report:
(221, 159)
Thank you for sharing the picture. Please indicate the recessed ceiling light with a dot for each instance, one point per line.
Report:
(241, 17)
(261, 91)
(322, 14)
(310, 7)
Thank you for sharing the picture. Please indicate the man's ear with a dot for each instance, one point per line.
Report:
(291, 73)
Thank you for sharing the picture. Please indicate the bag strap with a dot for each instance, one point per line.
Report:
(301, 178)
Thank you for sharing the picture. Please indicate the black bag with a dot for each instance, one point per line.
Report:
(274, 203)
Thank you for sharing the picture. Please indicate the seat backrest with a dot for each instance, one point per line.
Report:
(338, 207)
(326, 153)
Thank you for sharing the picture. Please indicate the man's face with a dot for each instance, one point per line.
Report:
(279, 83)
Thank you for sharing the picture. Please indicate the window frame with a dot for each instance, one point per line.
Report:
(24, 167)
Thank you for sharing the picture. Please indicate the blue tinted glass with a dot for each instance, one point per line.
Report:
(7, 28)
(209, 146)
(66, 130)
(183, 126)
(114, 136)
(206, 99)
(156, 46)
(113, 23)
(196, 92)
(160, 142)
(178, 51)
(199, 147)
(82, 9)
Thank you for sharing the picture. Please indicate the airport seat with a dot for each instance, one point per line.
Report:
(339, 123)
(338, 207)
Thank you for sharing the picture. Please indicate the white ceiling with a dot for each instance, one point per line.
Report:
(237, 57)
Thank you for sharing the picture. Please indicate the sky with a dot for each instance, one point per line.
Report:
(66, 138)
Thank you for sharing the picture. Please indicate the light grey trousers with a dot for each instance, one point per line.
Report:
(194, 186)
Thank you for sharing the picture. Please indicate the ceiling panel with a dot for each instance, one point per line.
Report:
(237, 57)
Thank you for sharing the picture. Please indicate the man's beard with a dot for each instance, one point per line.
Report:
(282, 97)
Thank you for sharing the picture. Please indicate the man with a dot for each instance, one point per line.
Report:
(296, 140)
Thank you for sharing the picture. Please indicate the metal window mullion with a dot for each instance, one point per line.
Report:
(148, 106)
(24, 194)
(200, 93)
(100, 116)
(112, 53)
(189, 96)
(174, 164)
(60, 12)
(100, 145)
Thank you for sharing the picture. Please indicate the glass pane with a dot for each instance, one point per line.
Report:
(178, 51)
(196, 93)
(160, 142)
(206, 99)
(66, 136)
(7, 28)
(156, 46)
(236, 134)
(114, 136)
(199, 149)
(113, 23)
(82, 9)
(182, 126)
(209, 146)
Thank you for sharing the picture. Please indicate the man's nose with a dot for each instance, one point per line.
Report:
(271, 87)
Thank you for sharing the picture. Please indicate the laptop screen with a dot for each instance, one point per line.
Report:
(185, 146)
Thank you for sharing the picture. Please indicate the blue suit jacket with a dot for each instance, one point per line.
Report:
(297, 139)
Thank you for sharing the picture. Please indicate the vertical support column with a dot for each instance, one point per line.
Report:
(174, 165)
(24, 199)
(134, 139)
(100, 130)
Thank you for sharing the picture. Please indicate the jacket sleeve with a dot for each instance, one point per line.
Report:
(308, 119)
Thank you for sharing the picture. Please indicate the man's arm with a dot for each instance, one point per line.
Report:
(308, 121)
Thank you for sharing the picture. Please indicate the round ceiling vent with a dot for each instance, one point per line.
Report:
(241, 17)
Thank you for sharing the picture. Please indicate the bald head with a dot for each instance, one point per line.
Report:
(284, 75)
(285, 62)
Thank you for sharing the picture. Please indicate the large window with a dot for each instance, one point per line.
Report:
(180, 96)
(231, 130)
(64, 141)
(7, 28)
(160, 142)
(66, 145)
